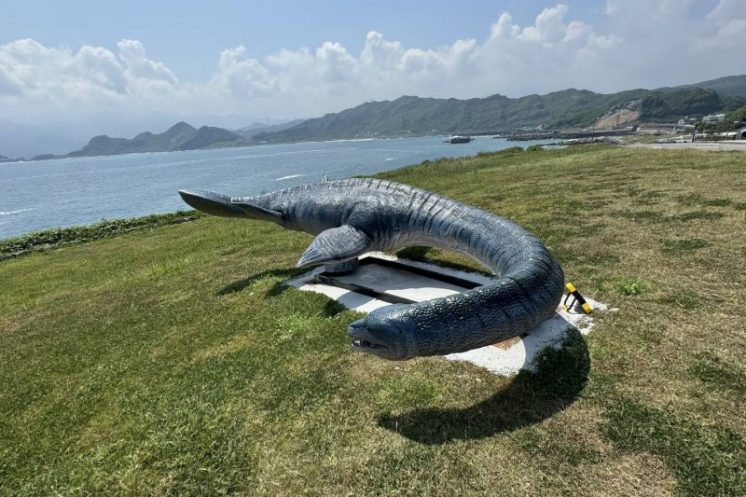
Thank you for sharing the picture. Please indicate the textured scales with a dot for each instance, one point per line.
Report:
(355, 216)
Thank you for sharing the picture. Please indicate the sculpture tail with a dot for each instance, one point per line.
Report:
(222, 205)
(212, 203)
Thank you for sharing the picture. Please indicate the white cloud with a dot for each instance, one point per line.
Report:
(504, 27)
(727, 10)
(58, 79)
(9, 85)
(139, 67)
(241, 76)
(729, 17)
(638, 43)
(548, 28)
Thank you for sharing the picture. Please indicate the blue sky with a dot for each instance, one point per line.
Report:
(121, 66)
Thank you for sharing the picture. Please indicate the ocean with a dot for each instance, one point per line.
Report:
(40, 195)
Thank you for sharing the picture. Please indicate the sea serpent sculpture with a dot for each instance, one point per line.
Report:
(354, 216)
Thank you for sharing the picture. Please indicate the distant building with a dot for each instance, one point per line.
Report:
(726, 135)
(713, 118)
(661, 128)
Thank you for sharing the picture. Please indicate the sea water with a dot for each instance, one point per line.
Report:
(39, 195)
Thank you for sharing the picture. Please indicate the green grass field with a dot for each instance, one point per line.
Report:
(170, 360)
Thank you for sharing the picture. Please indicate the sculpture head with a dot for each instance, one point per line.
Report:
(386, 333)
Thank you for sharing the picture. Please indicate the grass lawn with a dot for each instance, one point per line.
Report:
(171, 361)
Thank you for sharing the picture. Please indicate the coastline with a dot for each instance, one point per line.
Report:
(56, 237)
(44, 240)
(53, 157)
(74, 192)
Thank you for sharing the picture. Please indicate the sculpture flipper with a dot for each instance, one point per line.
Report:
(335, 245)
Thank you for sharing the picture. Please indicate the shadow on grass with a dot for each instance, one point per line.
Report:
(530, 398)
(332, 308)
(416, 253)
(420, 254)
(276, 289)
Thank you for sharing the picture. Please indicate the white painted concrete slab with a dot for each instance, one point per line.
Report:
(504, 358)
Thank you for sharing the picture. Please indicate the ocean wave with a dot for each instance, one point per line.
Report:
(8, 213)
(289, 177)
(9, 179)
(351, 140)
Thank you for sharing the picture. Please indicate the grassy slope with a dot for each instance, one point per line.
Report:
(173, 362)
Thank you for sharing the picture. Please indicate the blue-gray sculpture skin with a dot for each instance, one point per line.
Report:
(355, 216)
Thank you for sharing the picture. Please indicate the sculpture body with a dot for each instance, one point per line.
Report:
(355, 216)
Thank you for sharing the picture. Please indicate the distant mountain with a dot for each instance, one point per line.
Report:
(181, 136)
(5, 159)
(254, 128)
(210, 137)
(728, 86)
(430, 116)
(673, 104)
(413, 116)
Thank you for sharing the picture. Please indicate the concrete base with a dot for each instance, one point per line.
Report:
(503, 358)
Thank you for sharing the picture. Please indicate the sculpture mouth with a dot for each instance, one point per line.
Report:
(363, 340)
(365, 345)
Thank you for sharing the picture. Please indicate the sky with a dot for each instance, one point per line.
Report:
(119, 66)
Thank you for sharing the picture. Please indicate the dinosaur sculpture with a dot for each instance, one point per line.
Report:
(354, 216)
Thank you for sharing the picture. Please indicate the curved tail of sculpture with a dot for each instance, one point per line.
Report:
(222, 205)
(212, 203)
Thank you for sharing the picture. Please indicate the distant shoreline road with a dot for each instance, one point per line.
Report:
(722, 146)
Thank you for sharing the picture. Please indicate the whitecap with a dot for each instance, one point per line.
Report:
(289, 177)
(8, 213)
